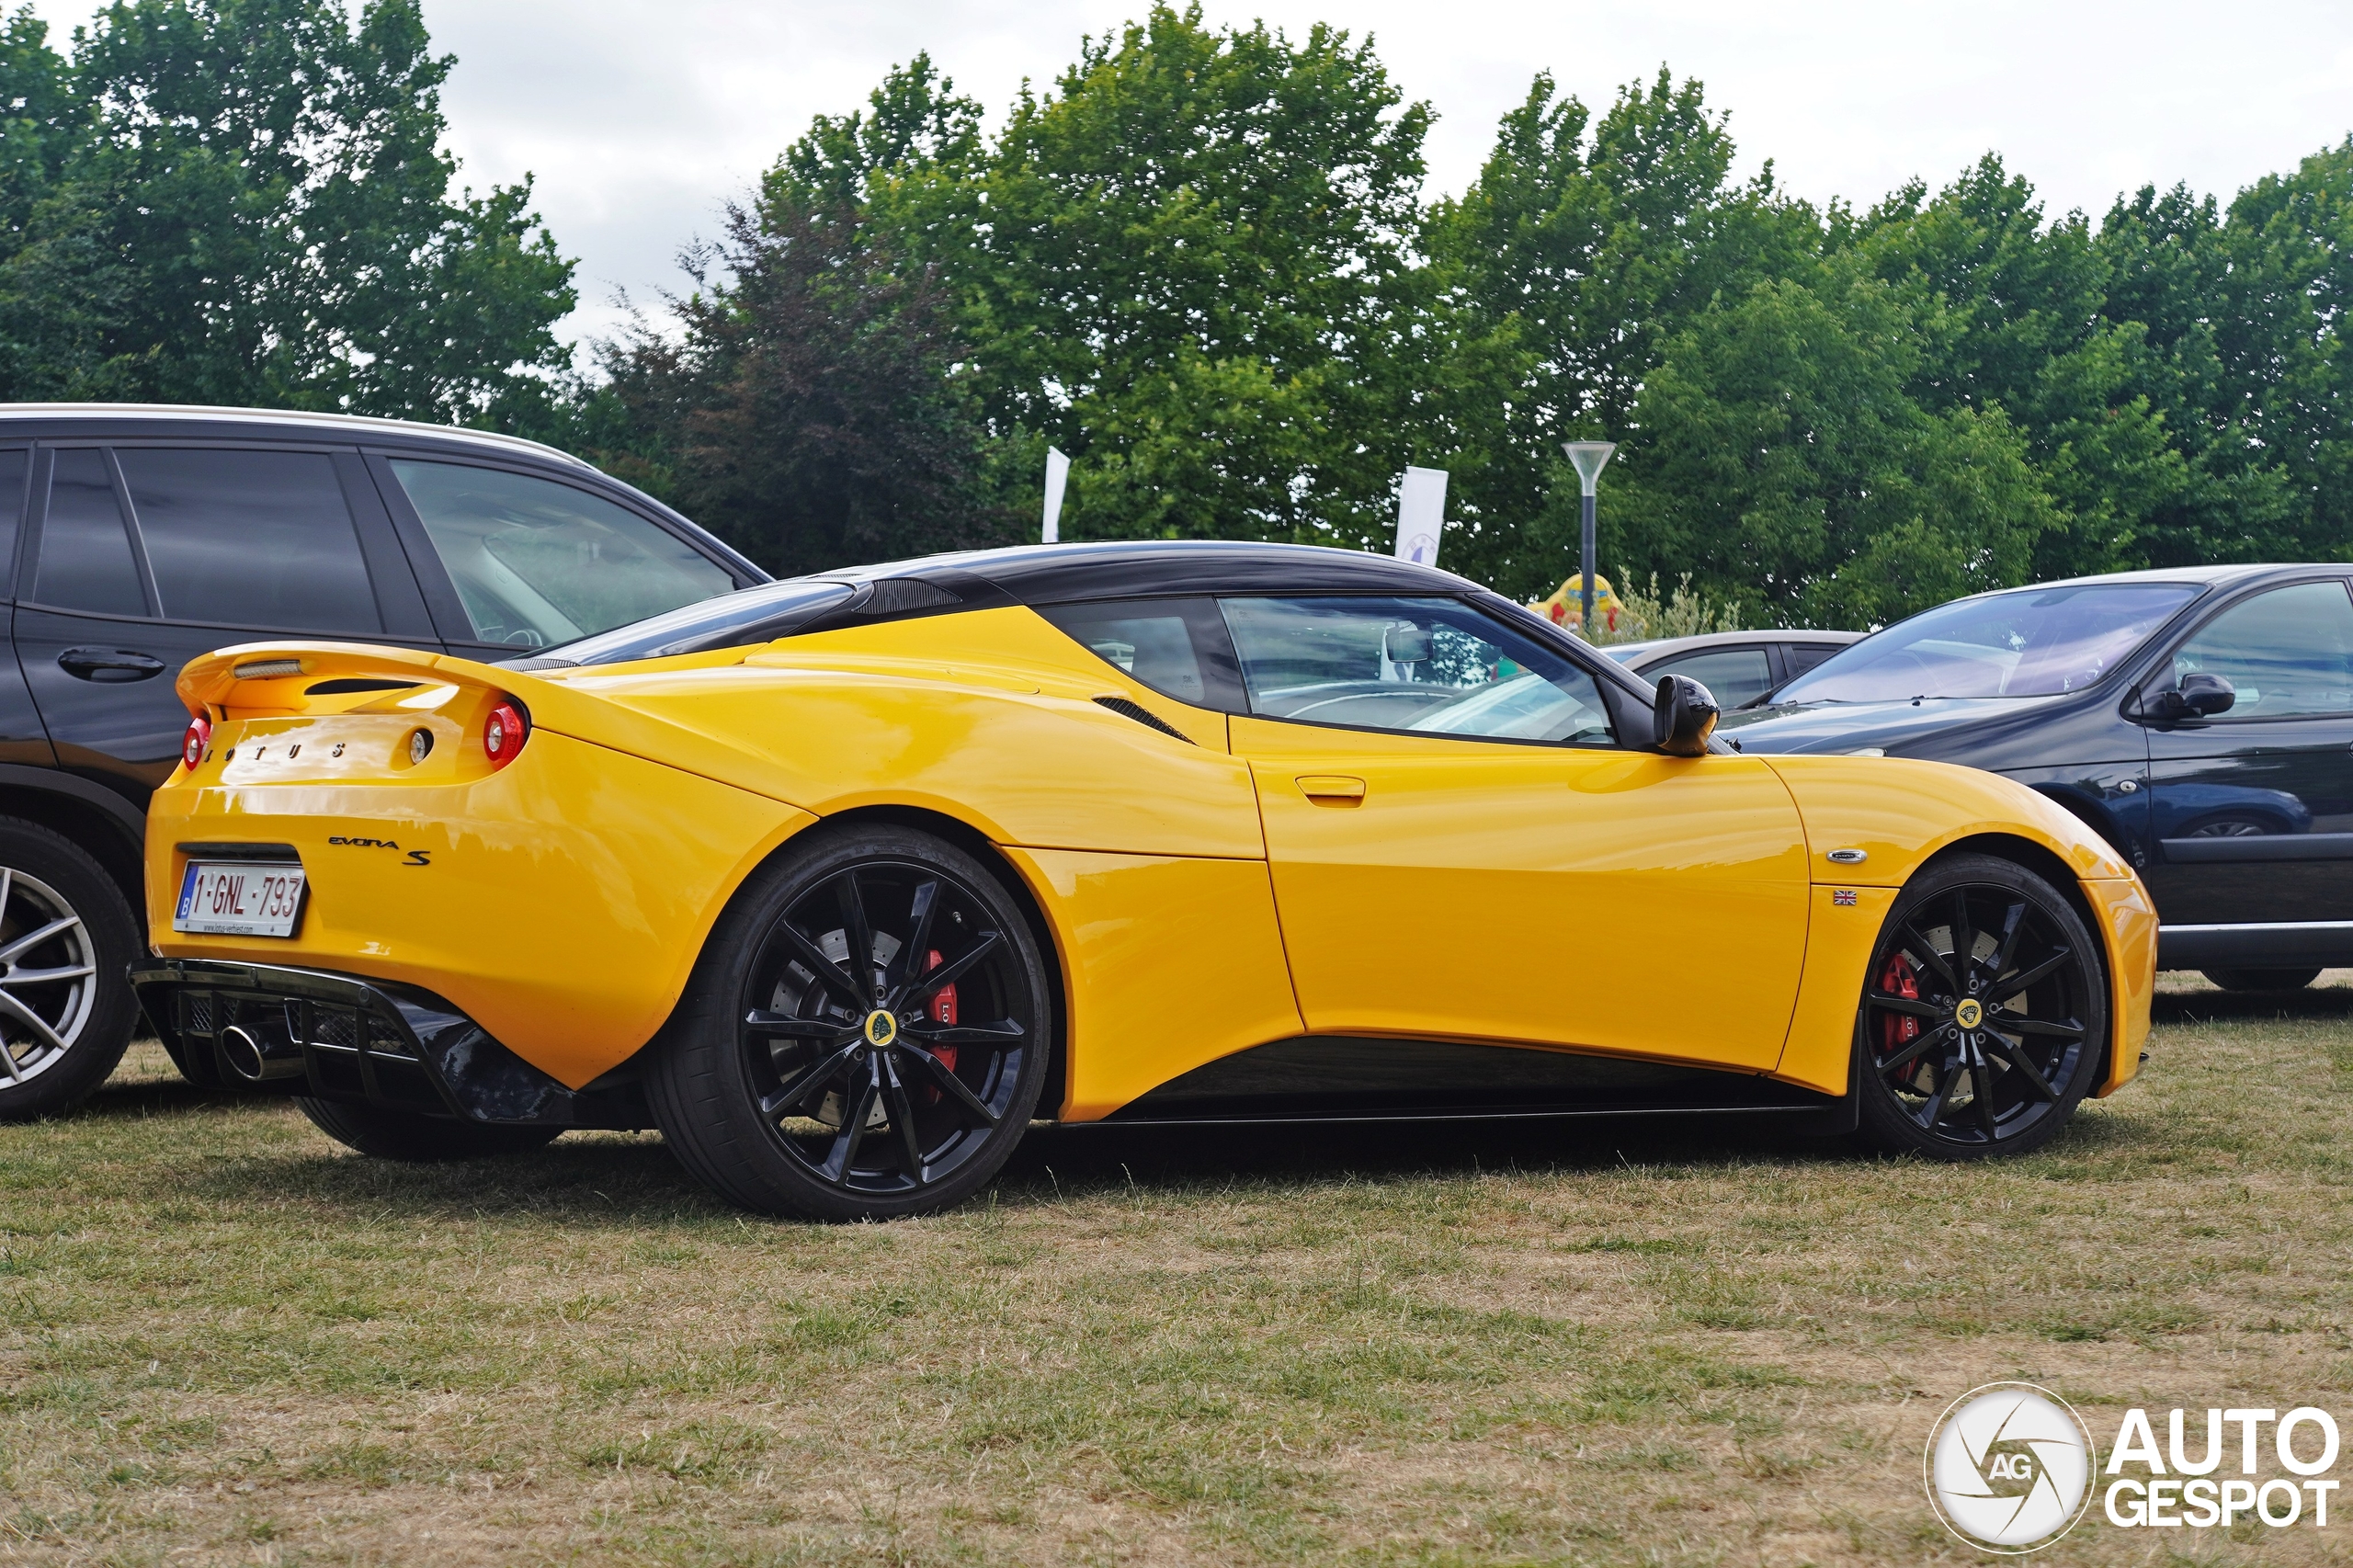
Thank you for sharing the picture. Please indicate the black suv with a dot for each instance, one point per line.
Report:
(2200, 720)
(134, 539)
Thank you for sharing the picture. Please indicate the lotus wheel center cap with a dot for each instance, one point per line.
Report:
(882, 1029)
(1969, 1015)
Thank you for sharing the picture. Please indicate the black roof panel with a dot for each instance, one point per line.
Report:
(1060, 573)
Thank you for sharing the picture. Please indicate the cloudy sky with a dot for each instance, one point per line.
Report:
(639, 118)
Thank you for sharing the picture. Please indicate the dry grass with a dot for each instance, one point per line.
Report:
(223, 1340)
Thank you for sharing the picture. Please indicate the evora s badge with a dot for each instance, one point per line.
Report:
(414, 857)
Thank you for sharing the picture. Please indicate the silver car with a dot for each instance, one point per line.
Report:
(1737, 667)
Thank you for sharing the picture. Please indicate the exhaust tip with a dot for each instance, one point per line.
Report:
(243, 1053)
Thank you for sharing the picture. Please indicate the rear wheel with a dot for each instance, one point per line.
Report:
(2262, 979)
(66, 941)
(1983, 1015)
(864, 1036)
(411, 1136)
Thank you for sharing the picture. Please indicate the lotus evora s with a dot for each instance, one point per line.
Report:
(843, 881)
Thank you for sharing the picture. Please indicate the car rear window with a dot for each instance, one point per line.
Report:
(1732, 676)
(536, 563)
(85, 560)
(250, 538)
(754, 615)
(14, 462)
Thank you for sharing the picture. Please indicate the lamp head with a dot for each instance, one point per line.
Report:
(1588, 457)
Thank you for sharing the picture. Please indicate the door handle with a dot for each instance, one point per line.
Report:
(110, 665)
(1330, 789)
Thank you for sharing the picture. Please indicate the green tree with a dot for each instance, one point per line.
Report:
(2023, 328)
(254, 209)
(1581, 251)
(1190, 266)
(2168, 268)
(801, 403)
(1784, 462)
(2285, 309)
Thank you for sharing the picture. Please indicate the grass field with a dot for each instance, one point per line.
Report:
(225, 1340)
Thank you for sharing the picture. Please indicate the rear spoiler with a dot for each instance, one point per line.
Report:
(261, 680)
(257, 681)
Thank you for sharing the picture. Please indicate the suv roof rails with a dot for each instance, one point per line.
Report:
(349, 423)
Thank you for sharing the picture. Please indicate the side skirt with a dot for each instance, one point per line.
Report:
(1342, 1078)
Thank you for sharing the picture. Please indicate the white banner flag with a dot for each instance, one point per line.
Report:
(1057, 475)
(1421, 515)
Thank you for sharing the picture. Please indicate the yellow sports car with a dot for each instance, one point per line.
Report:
(843, 881)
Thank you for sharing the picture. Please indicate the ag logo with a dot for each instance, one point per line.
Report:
(2009, 1467)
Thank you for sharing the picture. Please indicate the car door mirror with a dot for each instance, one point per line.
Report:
(1405, 645)
(2198, 695)
(1682, 717)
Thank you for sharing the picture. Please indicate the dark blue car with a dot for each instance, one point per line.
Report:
(2200, 720)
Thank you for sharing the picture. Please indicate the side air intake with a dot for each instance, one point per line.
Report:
(1144, 715)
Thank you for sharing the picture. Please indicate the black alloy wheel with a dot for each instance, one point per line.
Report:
(1984, 1015)
(884, 1034)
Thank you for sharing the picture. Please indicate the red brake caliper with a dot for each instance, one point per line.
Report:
(940, 1009)
(1898, 1030)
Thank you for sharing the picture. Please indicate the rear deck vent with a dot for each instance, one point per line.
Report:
(1144, 715)
(346, 686)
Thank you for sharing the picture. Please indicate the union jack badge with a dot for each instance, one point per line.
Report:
(1843, 897)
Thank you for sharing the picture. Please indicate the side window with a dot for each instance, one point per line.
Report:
(1420, 666)
(2287, 652)
(1732, 676)
(536, 563)
(1802, 657)
(85, 560)
(250, 538)
(14, 462)
(1175, 647)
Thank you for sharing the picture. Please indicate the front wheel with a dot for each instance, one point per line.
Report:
(864, 1036)
(1983, 1015)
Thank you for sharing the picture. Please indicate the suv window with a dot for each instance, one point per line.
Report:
(13, 464)
(249, 537)
(536, 562)
(85, 560)
(2289, 652)
(1428, 667)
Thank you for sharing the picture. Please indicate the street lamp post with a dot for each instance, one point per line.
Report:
(1588, 457)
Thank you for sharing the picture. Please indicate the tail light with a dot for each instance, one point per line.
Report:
(192, 745)
(504, 733)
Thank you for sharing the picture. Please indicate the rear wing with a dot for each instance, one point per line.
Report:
(270, 680)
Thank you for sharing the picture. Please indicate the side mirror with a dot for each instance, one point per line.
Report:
(1682, 717)
(1405, 645)
(2199, 696)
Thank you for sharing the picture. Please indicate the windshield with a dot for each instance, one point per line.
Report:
(2027, 642)
(754, 615)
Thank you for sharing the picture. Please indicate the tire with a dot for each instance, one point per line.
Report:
(60, 1036)
(2262, 979)
(418, 1138)
(1963, 1061)
(793, 1084)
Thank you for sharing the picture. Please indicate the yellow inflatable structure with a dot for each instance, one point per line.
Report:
(1567, 607)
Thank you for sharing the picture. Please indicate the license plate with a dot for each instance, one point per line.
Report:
(240, 898)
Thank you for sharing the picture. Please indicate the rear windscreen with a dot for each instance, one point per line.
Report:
(753, 615)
